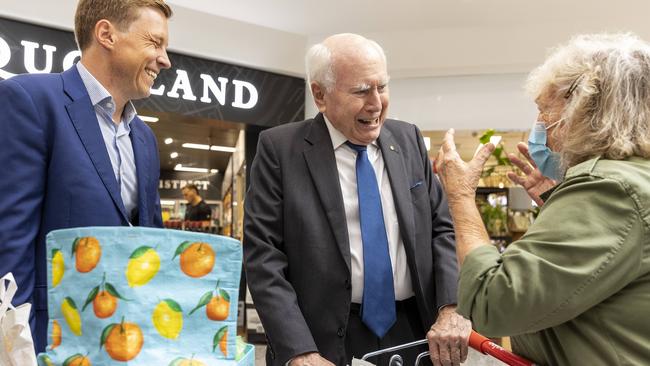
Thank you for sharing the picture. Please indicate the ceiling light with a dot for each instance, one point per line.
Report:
(214, 170)
(149, 119)
(173, 155)
(222, 148)
(189, 145)
(196, 146)
(427, 143)
(169, 140)
(181, 168)
(167, 202)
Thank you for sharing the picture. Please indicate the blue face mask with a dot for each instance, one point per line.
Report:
(546, 160)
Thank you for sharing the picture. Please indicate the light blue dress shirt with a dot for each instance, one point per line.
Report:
(116, 137)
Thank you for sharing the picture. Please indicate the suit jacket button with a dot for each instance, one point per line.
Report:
(341, 332)
(347, 284)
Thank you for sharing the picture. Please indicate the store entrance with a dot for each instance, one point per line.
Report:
(202, 153)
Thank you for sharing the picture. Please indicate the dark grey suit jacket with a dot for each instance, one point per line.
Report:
(296, 249)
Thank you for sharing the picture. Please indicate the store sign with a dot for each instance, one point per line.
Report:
(181, 83)
(171, 184)
(201, 185)
(193, 86)
(29, 59)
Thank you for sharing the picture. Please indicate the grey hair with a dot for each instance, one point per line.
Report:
(319, 62)
(605, 81)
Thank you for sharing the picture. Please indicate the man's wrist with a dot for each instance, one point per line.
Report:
(298, 358)
(447, 308)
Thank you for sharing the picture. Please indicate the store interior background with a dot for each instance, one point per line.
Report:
(453, 64)
(459, 64)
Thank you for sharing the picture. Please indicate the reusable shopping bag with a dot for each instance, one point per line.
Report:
(16, 343)
(143, 297)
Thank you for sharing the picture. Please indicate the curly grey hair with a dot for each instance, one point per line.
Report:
(605, 80)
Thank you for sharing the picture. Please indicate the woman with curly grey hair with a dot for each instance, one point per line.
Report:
(574, 290)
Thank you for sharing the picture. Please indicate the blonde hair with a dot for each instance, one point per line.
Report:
(605, 79)
(120, 12)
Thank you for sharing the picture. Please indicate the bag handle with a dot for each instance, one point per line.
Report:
(7, 293)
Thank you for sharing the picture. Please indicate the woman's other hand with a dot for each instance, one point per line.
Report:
(533, 180)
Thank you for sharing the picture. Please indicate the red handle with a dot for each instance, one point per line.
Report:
(486, 346)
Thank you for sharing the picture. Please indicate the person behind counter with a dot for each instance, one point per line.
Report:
(574, 290)
(197, 209)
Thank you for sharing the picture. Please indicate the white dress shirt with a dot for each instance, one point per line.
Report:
(346, 164)
(116, 138)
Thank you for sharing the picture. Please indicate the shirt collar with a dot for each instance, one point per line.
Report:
(100, 97)
(337, 137)
(129, 113)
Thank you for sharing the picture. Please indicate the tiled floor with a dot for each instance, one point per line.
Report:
(474, 358)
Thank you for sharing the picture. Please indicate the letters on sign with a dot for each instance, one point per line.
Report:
(245, 94)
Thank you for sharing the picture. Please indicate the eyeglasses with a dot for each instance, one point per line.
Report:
(573, 87)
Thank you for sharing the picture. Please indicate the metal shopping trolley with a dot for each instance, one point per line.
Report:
(476, 341)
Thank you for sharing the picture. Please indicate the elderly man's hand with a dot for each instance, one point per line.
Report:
(310, 359)
(533, 181)
(448, 338)
(459, 178)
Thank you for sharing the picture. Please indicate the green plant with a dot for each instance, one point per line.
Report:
(495, 217)
(498, 153)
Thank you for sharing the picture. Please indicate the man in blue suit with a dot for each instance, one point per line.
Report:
(74, 152)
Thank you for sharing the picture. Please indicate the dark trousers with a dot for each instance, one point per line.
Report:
(359, 340)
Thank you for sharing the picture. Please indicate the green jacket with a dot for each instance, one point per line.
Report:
(575, 289)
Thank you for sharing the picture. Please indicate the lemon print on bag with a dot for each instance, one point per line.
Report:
(71, 315)
(167, 317)
(182, 361)
(45, 359)
(58, 267)
(144, 264)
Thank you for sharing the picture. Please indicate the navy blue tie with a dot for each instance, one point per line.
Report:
(378, 304)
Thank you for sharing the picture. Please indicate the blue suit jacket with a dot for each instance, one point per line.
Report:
(56, 173)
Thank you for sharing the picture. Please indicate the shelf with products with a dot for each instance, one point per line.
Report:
(226, 217)
(507, 212)
(489, 190)
(173, 214)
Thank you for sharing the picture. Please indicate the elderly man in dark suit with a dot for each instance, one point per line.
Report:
(348, 242)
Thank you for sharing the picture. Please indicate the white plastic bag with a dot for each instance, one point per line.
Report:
(16, 343)
(358, 362)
